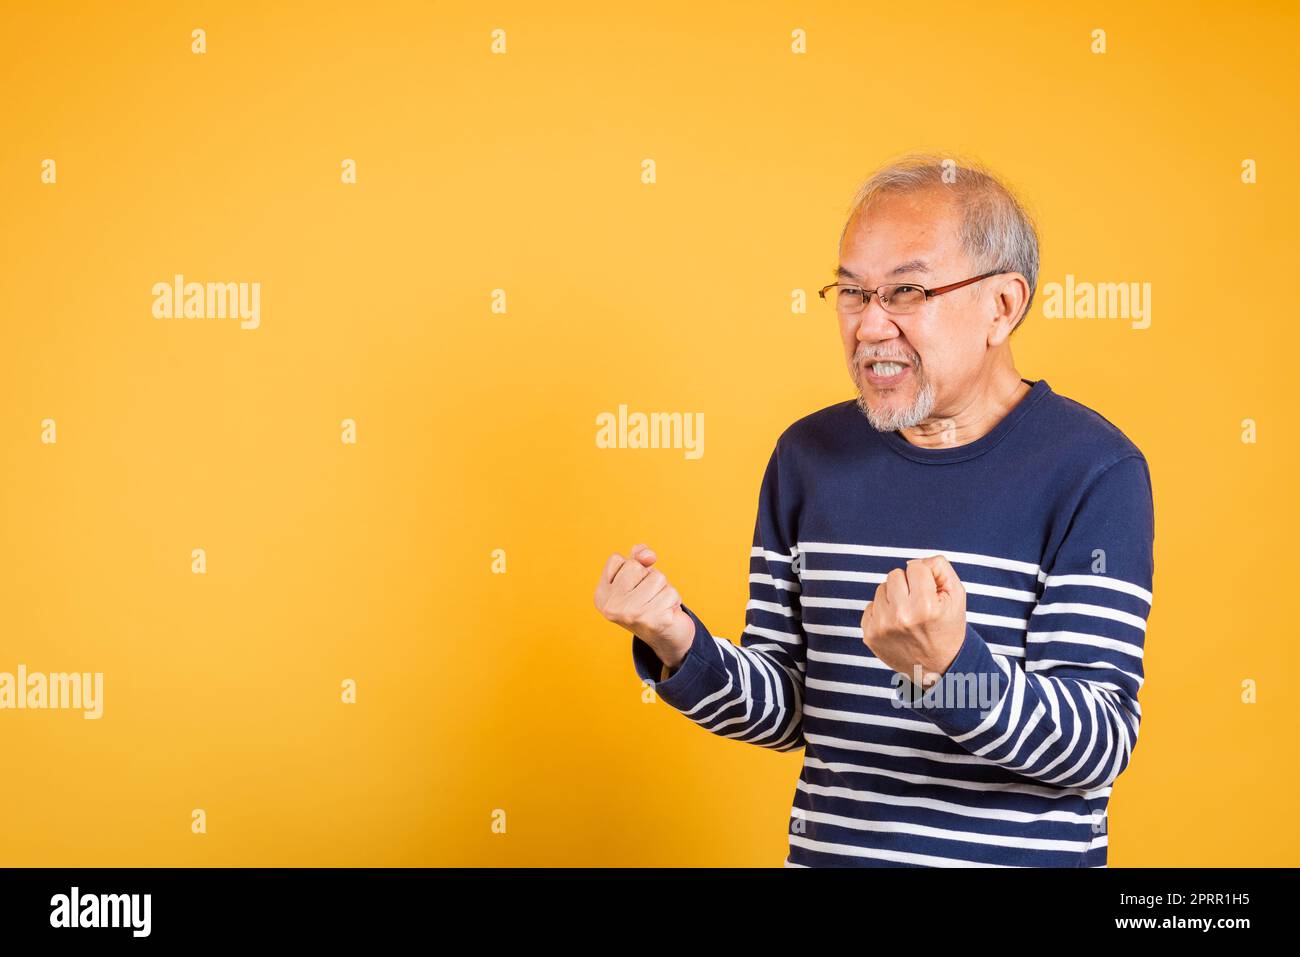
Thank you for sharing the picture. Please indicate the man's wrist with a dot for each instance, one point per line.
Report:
(669, 661)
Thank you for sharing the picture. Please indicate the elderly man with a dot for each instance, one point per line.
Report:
(950, 575)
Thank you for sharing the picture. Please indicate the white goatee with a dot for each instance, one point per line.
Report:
(888, 419)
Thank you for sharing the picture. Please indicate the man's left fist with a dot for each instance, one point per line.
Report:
(917, 619)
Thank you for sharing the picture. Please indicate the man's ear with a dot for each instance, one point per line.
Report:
(1009, 299)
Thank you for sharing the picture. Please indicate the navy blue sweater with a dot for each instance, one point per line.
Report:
(1048, 520)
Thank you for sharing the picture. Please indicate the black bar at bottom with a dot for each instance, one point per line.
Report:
(974, 906)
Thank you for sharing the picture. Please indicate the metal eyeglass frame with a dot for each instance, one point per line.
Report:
(868, 293)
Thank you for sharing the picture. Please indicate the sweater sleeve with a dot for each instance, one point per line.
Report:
(752, 692)
(1069, 716)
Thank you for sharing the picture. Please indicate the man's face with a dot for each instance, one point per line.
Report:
(940, 348)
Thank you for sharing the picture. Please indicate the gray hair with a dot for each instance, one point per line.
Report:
(997, 233)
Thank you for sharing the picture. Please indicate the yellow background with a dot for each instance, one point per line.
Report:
(476, 430)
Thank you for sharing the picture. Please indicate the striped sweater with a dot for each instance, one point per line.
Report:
(1048, 520)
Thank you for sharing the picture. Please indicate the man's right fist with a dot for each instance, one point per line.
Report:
(633, 594)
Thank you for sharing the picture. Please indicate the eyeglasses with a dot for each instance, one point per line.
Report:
(898, 298)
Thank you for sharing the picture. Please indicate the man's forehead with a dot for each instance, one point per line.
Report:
(901, 235)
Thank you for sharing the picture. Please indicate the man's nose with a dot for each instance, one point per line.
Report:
(874, 323)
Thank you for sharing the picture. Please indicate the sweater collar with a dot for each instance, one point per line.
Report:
(960, 453)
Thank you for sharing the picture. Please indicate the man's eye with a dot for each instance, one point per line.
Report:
(906, 289)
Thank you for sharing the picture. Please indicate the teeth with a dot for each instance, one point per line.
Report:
(886, 368)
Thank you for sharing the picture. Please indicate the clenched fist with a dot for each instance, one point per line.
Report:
(633, 594)
(917, 619)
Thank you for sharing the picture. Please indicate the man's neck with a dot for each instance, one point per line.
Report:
(977, 417)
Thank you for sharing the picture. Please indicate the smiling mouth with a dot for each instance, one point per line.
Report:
(885, 374)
